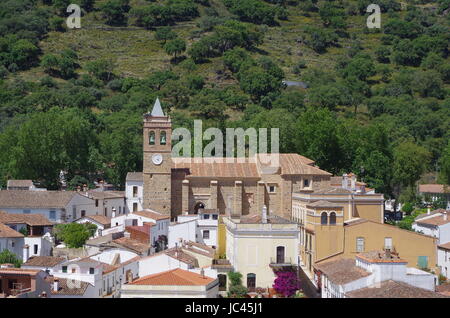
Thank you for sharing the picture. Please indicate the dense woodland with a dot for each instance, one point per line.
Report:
(377, 101)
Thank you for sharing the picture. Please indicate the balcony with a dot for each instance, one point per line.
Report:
(223, 264)
(281, 262)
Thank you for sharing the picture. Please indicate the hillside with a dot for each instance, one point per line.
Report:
(376, 103)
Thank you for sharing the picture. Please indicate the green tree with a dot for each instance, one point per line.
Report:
(7, 257)
(164, 34)
(444, 174)
(115, 11)
(74, 235)
(410, 161)
(175, 47)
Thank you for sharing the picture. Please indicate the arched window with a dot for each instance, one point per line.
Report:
(332, 218)
(324, 218)
(198, 206)
(162, 138)
(151, 138)
(251, 282)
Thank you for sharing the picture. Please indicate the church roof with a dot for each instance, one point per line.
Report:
(209, 168)
(157, 109)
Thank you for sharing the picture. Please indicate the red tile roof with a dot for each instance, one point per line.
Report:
(152, 215)
(174, 277)
(433, 188)
(445, 246)
(6, 231)
(207, 167)
(393, 289)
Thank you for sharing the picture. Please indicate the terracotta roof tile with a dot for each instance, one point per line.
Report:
(435, 220)
(106, 194)
(152, 215)
(132, 245)
(218, 167)
(393, 289)
(445, 246)
(380, 257)
(174, 277)
(6, 231)
(135, 176)
(19, 183)
(433, 188)
(101, 219)
(74, 288)
(35, 199)
(342, 271)
(44, 261)
(30, 219)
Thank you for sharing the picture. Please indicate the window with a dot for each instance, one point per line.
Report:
(35, 249)
(205, 216)
(26, 211)
(151, 138)
(106, 211)
(74, 270)
(272, 189)
(306, 183)
(13, 243)
(206, 234)
(388, 243)
(52, 215)
(120, 209)
(74, 212)
(91, 270)
(360, 244)
(135, 207)
(135, 191)
(324, 218)
(215, 216)
(280, 254)
(96, 203)
(332, 218)
(83, 213)
(64, 269)
(163, 138)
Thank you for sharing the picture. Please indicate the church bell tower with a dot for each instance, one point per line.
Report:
(157, 160)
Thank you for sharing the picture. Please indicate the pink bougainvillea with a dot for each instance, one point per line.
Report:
(286, 283)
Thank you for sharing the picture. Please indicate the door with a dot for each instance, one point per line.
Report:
(280, 254)
(251, 282)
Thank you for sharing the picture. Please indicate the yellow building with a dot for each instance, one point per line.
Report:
(258, 245)
(344, 219)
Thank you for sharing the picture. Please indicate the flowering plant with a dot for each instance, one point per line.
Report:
(286, 283)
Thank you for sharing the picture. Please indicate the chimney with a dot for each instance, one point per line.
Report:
(85, 188)
(55, 284)
(26, 253)
(264, 214)
(445, 215)
(388, 253)
(202, 272)
(344, 181)
(186, 213)
(113, 212)
(353, 182)
(429, 209)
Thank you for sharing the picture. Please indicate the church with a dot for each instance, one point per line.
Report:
(175, 187)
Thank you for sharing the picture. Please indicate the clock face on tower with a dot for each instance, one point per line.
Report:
(157, 159)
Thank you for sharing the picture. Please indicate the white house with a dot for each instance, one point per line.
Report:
(57, 206)
(201, 228)
(44, 263)
(108, 203)
(435, 192)
(206, 224)
(20, 185)
(134, 191)
(34, 230)
(344, 278)
(102, 223)
(444, 259)
(11, 240)
(138, 218)
(174, 283)
(435, 223)
(106, 271)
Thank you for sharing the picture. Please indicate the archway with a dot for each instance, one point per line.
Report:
(198, 206)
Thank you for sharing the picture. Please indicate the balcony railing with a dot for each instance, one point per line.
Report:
(285, 261)
(221, 263)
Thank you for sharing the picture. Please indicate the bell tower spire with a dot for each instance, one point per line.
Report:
(157, 172)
